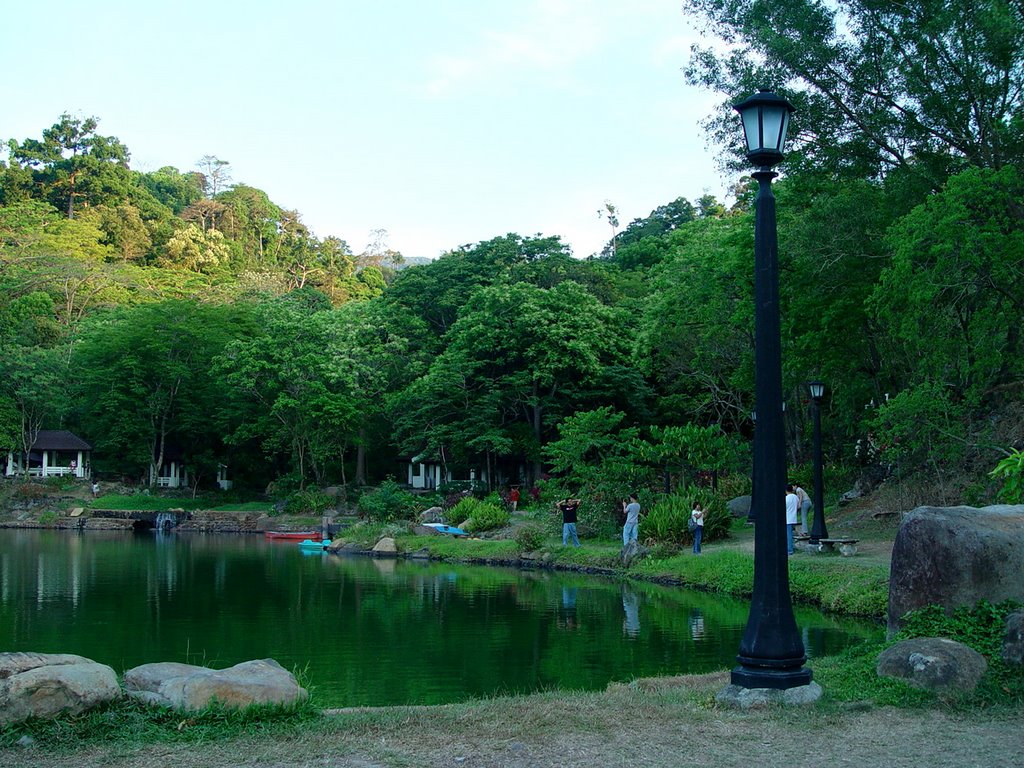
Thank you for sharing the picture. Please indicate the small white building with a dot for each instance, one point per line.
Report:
(223, 480)
(172, 474)
(425, 474)
(55, 452)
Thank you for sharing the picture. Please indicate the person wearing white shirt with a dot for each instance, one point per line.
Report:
(792, 509)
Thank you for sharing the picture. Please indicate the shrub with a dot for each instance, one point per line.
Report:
(669, 517)
(479, 515)
(734, 484)
(307, 502)
(48, 518)
(667, 521)
(717, 520)
(452, 499)
(1011, 471)
(29, 490)
(60, 482)
(389, 501)
(487, 517)
(530, 537)
(456, 488)
(497, 498)
(851, 677)
(462, 510)
(281, 487)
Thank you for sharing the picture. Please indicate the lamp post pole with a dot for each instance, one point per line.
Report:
(771, 653)
(818, 529)
(753, 473)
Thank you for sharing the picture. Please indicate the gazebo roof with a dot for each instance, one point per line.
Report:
(59, 440)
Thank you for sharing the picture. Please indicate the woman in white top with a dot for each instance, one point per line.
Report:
(697, 516)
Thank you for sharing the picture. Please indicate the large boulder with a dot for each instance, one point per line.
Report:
(956, 556)
(740, 506)
(432, 515)
(184, 686)
(49, 684)
(933, 663)
(632, 553)
(385, 547)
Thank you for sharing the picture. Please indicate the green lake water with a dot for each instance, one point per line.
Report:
(362, 631)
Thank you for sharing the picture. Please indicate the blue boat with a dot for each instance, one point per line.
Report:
(450, 529)
(310, 544)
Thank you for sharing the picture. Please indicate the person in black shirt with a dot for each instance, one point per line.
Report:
(568, 509)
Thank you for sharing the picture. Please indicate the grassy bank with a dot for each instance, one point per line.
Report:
(141, 502)
(830, 582)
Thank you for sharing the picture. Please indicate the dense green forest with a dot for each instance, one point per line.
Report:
(174, 311)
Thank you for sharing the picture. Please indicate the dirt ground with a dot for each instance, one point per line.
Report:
(655, 724)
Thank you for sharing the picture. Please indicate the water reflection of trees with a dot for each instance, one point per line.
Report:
(372, 631)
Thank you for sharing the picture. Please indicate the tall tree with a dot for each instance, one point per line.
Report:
(518, 359)
(436, 291)
(215, 174)
(145, 385)
(924, 85)
(73, 161)
(953, 297)
(696, 336)
(34, 380)
(288, 389)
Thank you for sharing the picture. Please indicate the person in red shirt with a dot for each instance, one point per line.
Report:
(513, 497)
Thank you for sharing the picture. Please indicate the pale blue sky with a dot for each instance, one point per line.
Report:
(443, 122)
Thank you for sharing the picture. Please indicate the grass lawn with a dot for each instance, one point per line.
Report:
(145, 503)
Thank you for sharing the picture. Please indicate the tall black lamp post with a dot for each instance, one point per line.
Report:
(771, 651)
(818, 529)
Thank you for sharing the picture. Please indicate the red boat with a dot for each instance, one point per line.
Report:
(294, 535)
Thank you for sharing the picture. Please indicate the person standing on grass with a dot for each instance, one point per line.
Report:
(630, 529)
(697, 515)
(805, 507)
(792, 510)
(513, 497)
(568, 509)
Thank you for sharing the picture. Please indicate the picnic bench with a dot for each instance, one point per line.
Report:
(846, 547)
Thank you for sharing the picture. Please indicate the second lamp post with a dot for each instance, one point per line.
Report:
(818, 530)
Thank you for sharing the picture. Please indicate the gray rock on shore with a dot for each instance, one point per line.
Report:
(1013, 642)
(956, 557)
(188, 687)
(49, 684)
(385, 547)
(933, 663)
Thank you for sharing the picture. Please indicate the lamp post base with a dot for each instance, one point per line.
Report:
(763, 677)
(737, 697)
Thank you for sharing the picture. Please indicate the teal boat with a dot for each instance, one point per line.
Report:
(449, 529)
(310, 544)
